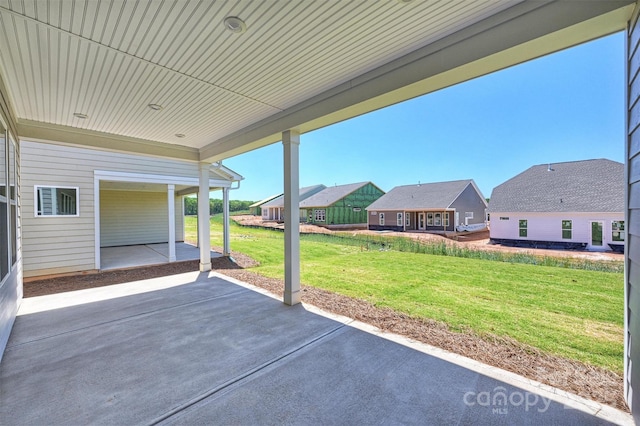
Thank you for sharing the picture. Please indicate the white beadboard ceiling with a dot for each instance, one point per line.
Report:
(109, 59)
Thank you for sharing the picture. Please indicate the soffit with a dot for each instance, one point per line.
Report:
(110, 59)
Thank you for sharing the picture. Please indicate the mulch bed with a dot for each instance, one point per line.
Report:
(587, 381)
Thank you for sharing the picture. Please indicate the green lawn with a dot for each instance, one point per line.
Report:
(577, 314)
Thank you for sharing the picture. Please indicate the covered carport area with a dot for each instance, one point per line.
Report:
(140, 217)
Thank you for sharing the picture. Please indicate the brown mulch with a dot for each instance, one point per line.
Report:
(587, 381)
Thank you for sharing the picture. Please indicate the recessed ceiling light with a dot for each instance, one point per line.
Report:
(80, 115)
(235, 24)
(180, 135)
(155, 107)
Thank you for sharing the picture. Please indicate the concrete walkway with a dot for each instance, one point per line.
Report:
(199, 348)
(146, 254)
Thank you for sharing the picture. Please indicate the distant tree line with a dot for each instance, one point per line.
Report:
(215, 206)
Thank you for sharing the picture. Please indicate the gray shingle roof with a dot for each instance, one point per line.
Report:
(577, 186)
(330, 195)
(305, 192)
(437, 195)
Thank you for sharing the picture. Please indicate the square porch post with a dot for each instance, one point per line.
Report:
(226, 249)
(204, 228)
(291, 142)
(171, 204)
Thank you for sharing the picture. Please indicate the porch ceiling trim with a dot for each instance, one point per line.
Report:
(159, 179)
(44, 132)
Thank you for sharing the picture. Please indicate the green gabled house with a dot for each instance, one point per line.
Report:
(340, 205)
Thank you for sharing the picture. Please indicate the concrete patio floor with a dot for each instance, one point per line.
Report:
(200, 348)
(146, 254)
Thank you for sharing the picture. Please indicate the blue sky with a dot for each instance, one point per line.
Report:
(562, 107)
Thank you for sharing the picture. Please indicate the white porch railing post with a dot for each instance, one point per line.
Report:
(204, 227)
(225, 225)
(291, 143)
(171, 204)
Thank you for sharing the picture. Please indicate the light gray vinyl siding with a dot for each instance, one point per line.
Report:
(632, 252)
(67, 244)
(133, 217)
(469, 201)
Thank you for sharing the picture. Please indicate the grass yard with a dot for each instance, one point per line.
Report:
(573, 313)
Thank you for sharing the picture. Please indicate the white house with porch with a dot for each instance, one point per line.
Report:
(204, 81)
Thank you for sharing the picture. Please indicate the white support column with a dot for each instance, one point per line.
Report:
(171, 204)
(204, 227)
(226, 249)
(291, 142)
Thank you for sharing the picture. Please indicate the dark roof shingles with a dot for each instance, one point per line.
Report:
(578, 186)
(438, 195)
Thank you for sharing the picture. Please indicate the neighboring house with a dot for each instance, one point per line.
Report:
(76, 200)
(433, 207)
(340, 205)
(578, 204)
(274, 209)
(256, 208)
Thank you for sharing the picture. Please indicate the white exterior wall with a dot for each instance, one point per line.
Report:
(11, 286)
(548, 226)
(146, 214)
(53, 245)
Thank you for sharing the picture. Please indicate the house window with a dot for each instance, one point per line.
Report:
(399, 219)
(566, 229)
(446, 218)
(4, 224)
(56, 201)
(617, 230)
(381, 219)
(504, 218)
(468, 215)
(319, 215)
(13, 204)
(429, 219)
(522, 225)
(407, 219)
(437, 221)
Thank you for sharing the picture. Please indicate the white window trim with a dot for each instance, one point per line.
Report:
(320, 213)
(381, 219)
(35, 201)
(429, 219)
(407, 219)
(435, 215)
(468, 215)
(562, 229)
(399, 219)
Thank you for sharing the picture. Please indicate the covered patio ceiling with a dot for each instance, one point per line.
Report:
(298, 65)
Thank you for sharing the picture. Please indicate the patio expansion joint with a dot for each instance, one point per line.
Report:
(124, 319)
(246, 375)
